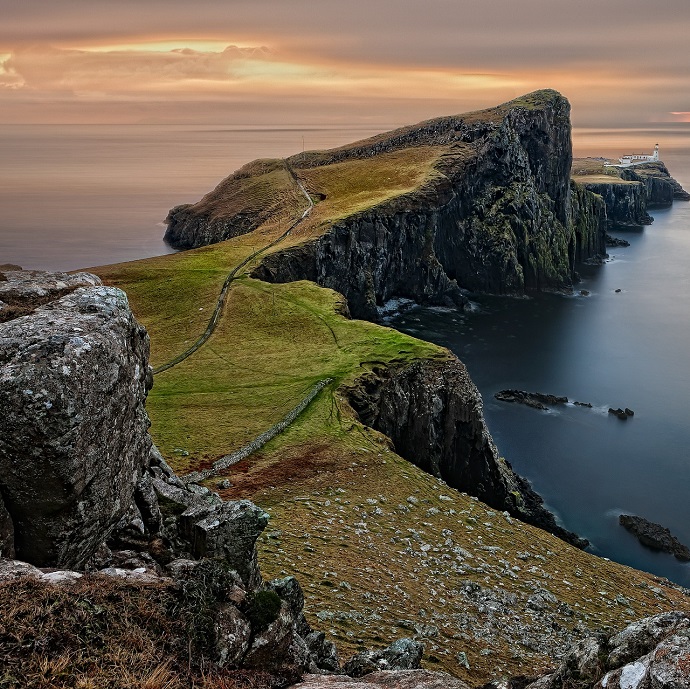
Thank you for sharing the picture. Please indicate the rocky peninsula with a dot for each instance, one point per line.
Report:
(494, 211)
(413, 541)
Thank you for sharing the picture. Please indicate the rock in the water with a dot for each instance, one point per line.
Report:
(536, 400)
(619, 413)
(74, 432)
(616, 241)
(655, 536)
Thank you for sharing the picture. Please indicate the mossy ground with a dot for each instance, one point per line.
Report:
(594, 171)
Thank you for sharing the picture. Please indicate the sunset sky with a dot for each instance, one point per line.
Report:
(620, 62)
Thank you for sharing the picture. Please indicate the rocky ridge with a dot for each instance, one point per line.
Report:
(498, 215)
(433, 414)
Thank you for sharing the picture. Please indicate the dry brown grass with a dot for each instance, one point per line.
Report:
(101, 633)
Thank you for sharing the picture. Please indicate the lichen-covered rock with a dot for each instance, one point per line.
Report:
(74, 432)
(22, 291)
(640, 637)
(229, 532)
(323, 652)
(233, 634)
(279, 649)
(402, 654)
(387, 679)
(653, 653)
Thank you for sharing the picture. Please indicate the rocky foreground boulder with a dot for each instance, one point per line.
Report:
(73, 429)
(653, 653)
(96, 530)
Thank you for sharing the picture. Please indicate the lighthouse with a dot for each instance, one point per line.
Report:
(637, 158)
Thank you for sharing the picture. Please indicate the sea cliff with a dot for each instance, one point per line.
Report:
(629, 192)
(496, 213)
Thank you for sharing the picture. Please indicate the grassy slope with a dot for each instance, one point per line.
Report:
(593, 171)
(338, 495)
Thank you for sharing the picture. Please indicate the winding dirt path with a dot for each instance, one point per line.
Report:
(220, 303)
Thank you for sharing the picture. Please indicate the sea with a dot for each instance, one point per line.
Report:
(74, 196)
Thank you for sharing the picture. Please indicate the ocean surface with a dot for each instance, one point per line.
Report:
(79, 196)
(73, 196)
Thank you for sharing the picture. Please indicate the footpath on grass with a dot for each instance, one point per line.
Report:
(220, 303)
(260, 440)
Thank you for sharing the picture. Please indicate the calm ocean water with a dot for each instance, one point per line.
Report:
(73, 196)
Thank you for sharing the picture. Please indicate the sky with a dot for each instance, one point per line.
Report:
(269, 62)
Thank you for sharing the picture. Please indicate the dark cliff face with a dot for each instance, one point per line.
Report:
(662, 189)
(626, 203)
(633, 190)
(499, 218)
(588, 217)
(433, 414)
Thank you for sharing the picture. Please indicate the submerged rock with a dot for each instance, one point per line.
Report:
(616, 241)
(536, 400)
(655, 536)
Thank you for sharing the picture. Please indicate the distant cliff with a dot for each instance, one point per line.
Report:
(496, 215)
(628, 192)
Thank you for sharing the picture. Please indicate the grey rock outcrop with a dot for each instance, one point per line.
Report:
(655, 536)
(387, 679)
(73, 430)
(433, 413)
(403, 654)
(22, 291)
(653, 653)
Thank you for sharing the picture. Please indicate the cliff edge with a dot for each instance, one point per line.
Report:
(487, 207)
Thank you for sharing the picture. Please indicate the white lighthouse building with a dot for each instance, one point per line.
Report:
(637, 158)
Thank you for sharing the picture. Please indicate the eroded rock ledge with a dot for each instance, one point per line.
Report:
(433, 413)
